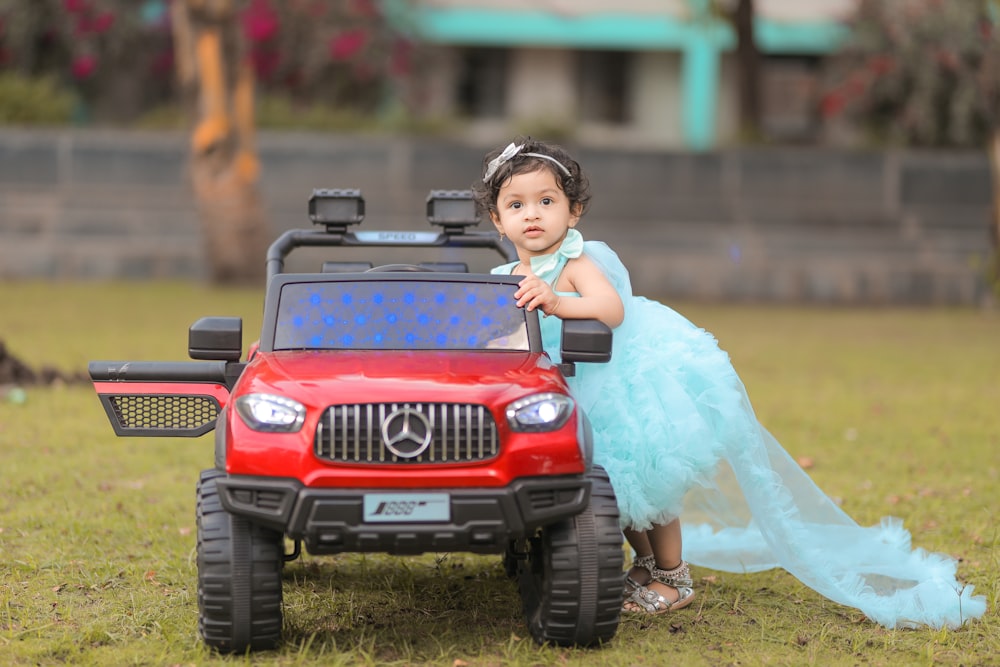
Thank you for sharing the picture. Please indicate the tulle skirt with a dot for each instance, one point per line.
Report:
(678, 436)
(661, 411)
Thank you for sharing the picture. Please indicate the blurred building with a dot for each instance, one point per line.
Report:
(634, 73)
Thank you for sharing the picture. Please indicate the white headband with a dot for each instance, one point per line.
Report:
(510, 152)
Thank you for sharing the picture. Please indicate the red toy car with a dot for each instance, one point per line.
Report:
(399, 409)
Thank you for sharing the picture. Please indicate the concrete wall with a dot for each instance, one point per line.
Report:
(802, 225)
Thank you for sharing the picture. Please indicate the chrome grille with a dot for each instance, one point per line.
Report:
(460, 432)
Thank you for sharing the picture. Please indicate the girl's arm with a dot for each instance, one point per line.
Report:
(598, 298)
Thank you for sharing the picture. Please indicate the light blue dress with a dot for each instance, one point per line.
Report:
(675, 430)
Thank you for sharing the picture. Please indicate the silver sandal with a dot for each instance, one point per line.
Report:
(644, 562)
(651, 602)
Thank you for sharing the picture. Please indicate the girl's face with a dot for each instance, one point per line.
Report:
(534, 212)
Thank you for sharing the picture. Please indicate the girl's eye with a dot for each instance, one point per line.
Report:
(546, 201)
(515, 204)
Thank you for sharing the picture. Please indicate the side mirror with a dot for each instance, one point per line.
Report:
(587, 341)
(216, 338)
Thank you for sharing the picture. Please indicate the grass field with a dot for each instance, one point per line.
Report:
(896, 410)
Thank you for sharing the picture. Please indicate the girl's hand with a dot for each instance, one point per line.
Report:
(533, 292)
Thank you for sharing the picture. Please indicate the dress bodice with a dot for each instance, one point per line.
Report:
(549, 268)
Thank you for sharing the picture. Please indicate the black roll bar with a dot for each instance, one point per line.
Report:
(448, 238)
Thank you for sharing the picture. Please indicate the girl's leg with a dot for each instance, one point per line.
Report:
(639, 541)
(664, 542)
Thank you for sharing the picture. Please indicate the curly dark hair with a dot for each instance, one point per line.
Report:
(575, 184)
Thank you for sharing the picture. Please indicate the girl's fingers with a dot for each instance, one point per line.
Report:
(532, 292)
(534, 302)
(527, 301)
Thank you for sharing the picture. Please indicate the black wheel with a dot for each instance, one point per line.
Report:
(514, 558)
(239, 576)
(570, 577)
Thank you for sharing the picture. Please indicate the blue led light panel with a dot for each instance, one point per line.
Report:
(400, 315)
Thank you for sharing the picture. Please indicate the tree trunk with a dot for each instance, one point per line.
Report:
(218, 85)
(748, 58)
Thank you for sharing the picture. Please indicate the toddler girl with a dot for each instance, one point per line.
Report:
(675, 430)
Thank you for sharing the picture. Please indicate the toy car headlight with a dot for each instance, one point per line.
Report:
(270, 413)
(541, 412)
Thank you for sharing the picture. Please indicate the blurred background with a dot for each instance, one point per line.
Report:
(808, 151)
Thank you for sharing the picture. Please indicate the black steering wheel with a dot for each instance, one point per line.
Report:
(399, 267)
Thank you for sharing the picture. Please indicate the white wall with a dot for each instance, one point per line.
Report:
(656, 98)
(541, 85)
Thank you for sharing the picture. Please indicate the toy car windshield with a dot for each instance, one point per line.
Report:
(399, 313)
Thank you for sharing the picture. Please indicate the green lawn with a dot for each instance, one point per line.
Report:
(895, 409)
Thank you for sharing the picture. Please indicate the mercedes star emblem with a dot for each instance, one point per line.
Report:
(406, 433)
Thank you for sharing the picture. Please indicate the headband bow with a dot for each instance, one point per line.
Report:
(508, 153)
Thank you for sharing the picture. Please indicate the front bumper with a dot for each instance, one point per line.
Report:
(330, 520)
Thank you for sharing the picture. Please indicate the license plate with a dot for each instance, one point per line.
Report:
(406, 507)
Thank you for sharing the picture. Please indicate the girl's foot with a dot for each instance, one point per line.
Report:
(640, 574)
(667, 590)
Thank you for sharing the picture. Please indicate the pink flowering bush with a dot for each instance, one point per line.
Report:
(345, 55)
(923, 72)
(103, 51)
(117, 55)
